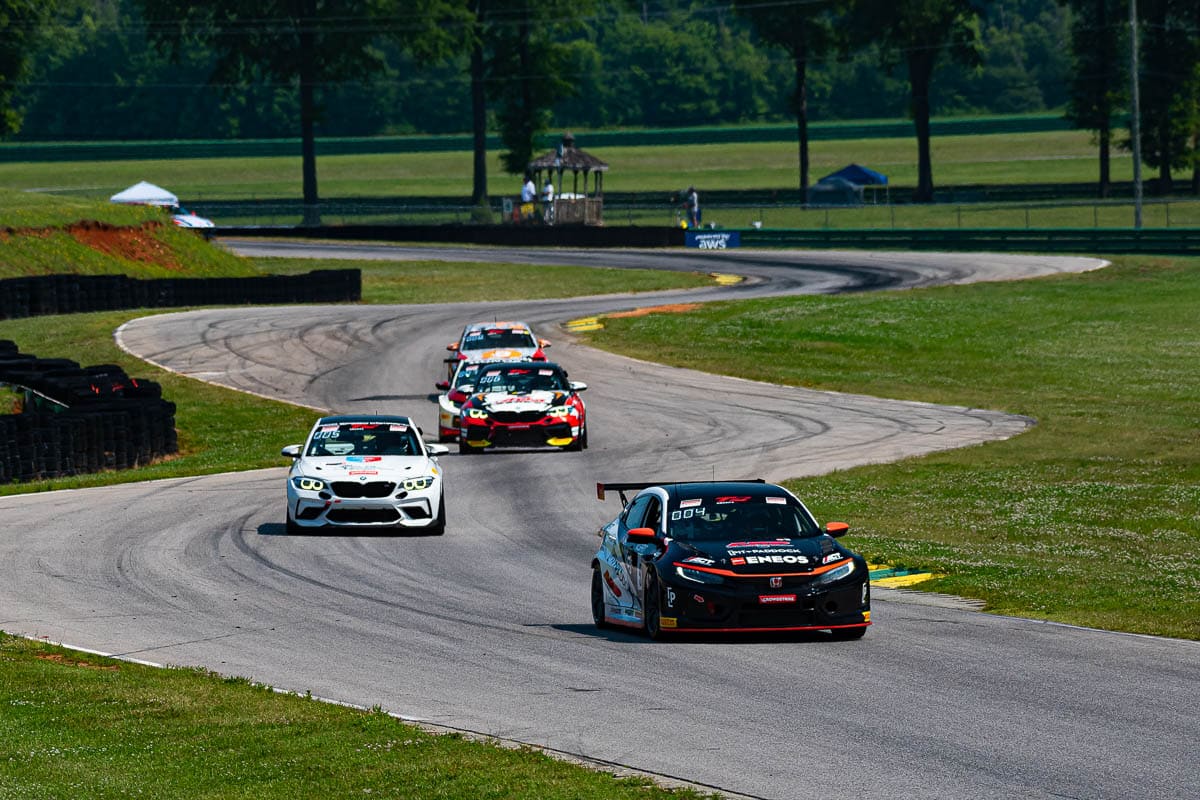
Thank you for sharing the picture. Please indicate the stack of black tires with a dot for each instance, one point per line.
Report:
(70, 294)
(77, 419)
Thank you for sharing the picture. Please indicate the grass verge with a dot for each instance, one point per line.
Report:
(1090, 518)
(78, 725)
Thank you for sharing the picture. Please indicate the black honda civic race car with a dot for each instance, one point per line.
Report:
(725, 556)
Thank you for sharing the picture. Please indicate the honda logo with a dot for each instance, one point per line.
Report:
(776, 583)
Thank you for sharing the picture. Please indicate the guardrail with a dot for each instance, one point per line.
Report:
(1167, 241)
(69, 294)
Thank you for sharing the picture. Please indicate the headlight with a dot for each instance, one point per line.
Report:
(836, 574)
(559, 411)
(697, 576)
(417, 484)
(308, 484)
(477, 413)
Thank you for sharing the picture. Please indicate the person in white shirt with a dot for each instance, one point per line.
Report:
(548, 202)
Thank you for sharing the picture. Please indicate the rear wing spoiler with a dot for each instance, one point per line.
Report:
(622, 488)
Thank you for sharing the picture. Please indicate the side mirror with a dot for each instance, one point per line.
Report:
(543, 343)
(452, 346)
(291, 451)
(436, 449)
(836, 529)
(641, 536)
(443, 385)
(577, 386)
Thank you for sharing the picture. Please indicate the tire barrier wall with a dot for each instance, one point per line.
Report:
(78, 420)
(69, 294)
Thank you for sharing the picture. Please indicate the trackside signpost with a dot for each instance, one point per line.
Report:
(712, 240)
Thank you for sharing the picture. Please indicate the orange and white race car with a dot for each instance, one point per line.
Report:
(495, 341)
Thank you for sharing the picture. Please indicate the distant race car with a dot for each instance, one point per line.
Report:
(189, 219)
(484, 341)
(725, 556)
(365, 473)
(523, 403)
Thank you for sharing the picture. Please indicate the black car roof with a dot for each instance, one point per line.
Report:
(335, 420)
(706, 489)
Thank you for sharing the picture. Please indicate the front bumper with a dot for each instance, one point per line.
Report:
(324, 509)
(546, 432)
(751, 605)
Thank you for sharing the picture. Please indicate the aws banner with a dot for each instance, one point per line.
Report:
(712, 240)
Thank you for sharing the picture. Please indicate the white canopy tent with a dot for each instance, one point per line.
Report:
(146, 194)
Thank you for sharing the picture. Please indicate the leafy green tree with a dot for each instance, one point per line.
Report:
(1168, 86)
(1099, 73)
(806, 32)
(919, 33)
(302, 43)
(21, 23)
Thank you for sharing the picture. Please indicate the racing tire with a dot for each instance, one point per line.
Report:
(848, 634)
(598, 598)
(439, 527)
(652, 608)
(465, 449)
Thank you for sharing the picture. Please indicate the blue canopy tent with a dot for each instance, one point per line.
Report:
(858, 175)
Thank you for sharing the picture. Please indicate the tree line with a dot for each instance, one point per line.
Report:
(175, 69)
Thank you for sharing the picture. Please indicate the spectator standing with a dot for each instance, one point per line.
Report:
(528, 198)
(692, 204)
(548, 202)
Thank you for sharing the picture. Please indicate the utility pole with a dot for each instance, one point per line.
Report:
(1135, 125)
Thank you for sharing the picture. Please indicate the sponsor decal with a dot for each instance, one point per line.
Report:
(776, 582)
(690, 503)
(670, 598)
(708, 562)
(363, 459)
(775, 559)
(612, 585)
(737, 562)
(778, 501)
(545, 372)
(699, 598)
(400, 428)
(717, 240)
(772, 543)
(668, 622)
(328, 428)
(832, 557)
(771, 599)
(732, 499)
(364, 472)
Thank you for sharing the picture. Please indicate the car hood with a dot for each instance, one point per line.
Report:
(531, 401)
(763, 556)
(364, 468)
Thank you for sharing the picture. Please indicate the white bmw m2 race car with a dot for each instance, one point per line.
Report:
(365, 473)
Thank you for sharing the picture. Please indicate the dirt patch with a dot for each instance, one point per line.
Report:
(58, 658)
(132, 243)
(674, 308)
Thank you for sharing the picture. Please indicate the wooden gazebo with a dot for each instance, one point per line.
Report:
(575, 206)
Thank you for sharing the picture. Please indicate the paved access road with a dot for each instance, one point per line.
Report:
(488, 628)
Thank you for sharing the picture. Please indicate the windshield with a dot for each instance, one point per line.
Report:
(521, 380)
(363, 439)
(466, 375)
(498, 339)
(719, 520)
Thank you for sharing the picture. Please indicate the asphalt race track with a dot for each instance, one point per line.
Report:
(488, 628)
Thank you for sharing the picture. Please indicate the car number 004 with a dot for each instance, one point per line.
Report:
(686, 513)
